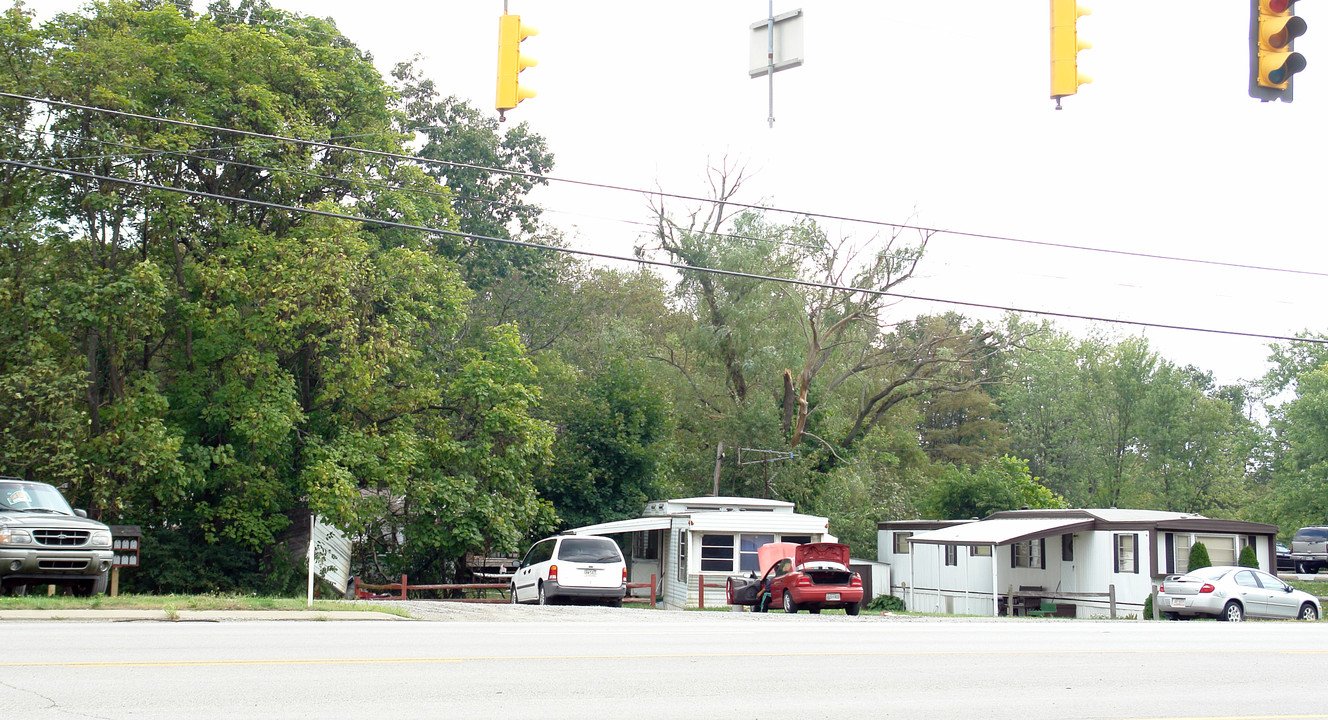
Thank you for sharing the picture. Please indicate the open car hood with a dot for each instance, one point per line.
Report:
(821, 553)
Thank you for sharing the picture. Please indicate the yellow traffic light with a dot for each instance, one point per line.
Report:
(1273, 30)
(1065, 47)
(511, 62)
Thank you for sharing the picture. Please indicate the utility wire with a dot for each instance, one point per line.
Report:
(645, 261)
(152, 153)
(675, 196)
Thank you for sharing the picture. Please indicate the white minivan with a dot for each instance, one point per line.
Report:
(574, 568)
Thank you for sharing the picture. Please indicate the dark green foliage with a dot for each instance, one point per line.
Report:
(1005, 484)
(1248, 557)
(1198, 557)
(1148, 607)
(886, 603)
(608, 454)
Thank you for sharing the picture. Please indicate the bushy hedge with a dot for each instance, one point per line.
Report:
(1248, 557)
(1199, 557)
(886, 603)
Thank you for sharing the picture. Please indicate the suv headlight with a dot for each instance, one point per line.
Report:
(14, 536)
(100, 538)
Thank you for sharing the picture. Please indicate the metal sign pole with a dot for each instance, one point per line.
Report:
(770, 62)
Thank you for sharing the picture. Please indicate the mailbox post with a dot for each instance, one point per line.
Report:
(125, 542)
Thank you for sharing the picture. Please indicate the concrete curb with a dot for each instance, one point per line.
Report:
(193, 615)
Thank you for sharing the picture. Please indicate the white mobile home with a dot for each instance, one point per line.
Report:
(1065, 562)
(680, 541)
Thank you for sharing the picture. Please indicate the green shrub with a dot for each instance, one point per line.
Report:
(886, 603)
(1248, 557)
(1148, 607)
(1199, 557)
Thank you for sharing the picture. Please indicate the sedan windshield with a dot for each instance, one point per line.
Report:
(595, 550)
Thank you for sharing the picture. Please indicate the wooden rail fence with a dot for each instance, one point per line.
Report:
(364, 591)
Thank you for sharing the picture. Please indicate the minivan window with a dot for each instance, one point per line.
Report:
(539, 553)
(594, 550)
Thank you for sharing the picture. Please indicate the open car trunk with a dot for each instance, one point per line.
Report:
(822, 554)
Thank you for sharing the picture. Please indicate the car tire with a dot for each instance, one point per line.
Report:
(543, 599)
(853, 608)
(789, 605)
(1170, 616)
(512, 591)
(614, 603)
(1232, 612)
(1307, 612)
(1302, 567)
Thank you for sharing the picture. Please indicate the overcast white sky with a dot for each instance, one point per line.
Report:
(936, 114)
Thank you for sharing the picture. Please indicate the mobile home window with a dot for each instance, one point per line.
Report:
(747, 547)
(979, 550)
(1221, 548)
(645, 545)
(1127, 555)
(1029, 554)
(682, 556)
(901, 542)
(716, 553)
(799, 539)
(1067, 548)
(951, 554)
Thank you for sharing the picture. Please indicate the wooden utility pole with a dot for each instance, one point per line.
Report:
(719, 458)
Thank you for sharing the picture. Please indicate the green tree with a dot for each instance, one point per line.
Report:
(216, 370)
(1004, 484)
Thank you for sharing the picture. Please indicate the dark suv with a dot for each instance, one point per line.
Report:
(43, 541)
(1309, 549)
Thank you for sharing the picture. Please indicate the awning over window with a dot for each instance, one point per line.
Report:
(1002, 531)
(661, 522)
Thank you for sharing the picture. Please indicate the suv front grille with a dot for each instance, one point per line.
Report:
(60, 538)
(62, 564)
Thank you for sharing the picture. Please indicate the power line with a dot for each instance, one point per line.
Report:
(645, 261)
(675, 196)
(153, 152)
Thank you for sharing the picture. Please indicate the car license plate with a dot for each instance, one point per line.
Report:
(1177, 602)
(590, 572)
(832, 596)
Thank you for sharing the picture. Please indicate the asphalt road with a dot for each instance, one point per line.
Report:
(597, 663)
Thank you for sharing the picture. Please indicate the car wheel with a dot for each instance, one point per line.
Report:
(615, 603)
(853, 608)
(789, 605)
(543, 599)
(1170, 616)
(1307, 612)
(1302, 568)
(1232, 612)
(512, 591)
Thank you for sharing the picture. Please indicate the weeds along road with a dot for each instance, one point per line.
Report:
(562, 662)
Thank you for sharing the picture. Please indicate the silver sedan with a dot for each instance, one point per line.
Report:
(1233, 593)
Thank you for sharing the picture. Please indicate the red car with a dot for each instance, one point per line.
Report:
(814, 578)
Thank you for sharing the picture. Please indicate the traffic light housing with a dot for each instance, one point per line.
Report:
(1274, 27)
(1065, 47)
(511, 62)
